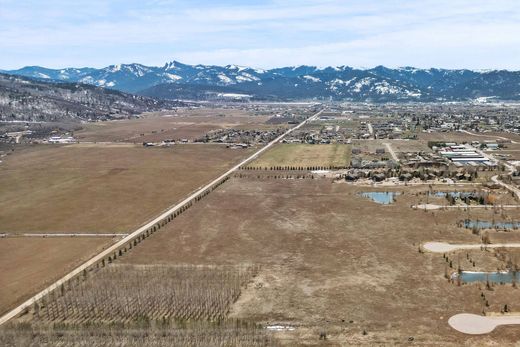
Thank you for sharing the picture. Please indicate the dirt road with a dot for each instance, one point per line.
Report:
(391, 150)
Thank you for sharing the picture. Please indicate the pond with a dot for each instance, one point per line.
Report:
(384, 198)
(492, 277)
(482, 224)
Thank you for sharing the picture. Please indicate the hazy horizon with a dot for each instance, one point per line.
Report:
(258, 67)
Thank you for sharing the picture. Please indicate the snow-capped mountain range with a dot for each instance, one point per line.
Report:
(176, 80)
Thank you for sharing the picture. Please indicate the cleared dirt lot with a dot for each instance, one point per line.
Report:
(304, 155)
(28, 265)
(101, 189)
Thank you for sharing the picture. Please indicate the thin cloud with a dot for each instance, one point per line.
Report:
(261, 33)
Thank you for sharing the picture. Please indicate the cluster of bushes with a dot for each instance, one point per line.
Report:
(294, 168)
(279, 177)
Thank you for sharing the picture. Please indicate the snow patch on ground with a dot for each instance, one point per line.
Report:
(414, 94)
(223, 78)
(384, 88)
(312, 78)
(172, 76)
(87, 79)
(42, 75)
(246, 77)
(234, 95)
(362, 83)
(114, 68)
(336, 83)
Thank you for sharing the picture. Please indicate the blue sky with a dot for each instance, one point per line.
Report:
(476, 34)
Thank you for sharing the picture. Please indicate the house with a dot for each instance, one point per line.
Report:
(59, 139)
(379, 177)
(405, 177)
(351, 177)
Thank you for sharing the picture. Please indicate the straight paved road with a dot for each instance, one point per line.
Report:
(141, 230)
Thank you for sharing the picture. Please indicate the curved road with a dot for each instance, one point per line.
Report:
(115, 247)
(474, 324)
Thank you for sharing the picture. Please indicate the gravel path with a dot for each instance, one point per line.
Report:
(444, 247)
(473, 324)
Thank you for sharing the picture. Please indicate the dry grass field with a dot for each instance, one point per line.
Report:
(511, 151)
(28, 265)
(511, 136)
(156, 127)
(101, 189)
(266, 248)
(397, 145)
(304, 155)
(332, 261)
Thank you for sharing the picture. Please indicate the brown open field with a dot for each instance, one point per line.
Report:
(397, 145)
(408, 145)
(28, 265)
(511, 136)
(332, 260)
(454, 136)
(189, 124)
(511, 151)
(78, 188)
(304, 155)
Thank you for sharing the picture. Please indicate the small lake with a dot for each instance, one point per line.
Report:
(494, 277)
(482, 224)
(384, 198)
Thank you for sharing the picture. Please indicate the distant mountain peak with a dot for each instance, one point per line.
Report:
(343, 82)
